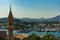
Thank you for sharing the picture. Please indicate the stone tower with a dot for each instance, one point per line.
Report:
(10, 25)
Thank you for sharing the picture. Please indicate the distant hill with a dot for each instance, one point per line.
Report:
(57, 18)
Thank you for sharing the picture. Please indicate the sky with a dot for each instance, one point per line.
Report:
(30, 8)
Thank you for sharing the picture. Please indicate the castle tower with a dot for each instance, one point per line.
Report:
(10, 25)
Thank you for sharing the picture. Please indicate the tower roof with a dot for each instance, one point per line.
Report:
(10, 17)
(10, 13)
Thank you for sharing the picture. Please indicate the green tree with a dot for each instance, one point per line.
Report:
(32, 37)
(1, 38)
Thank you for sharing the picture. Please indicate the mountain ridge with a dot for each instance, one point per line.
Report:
(56, 18)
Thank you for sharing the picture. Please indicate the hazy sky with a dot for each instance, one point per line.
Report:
(30, 8)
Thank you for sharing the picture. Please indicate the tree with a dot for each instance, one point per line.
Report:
(32, 37)
(1, 38)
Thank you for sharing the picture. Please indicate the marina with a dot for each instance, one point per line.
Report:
(57, 34)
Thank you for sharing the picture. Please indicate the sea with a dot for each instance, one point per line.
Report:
(57, 34)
